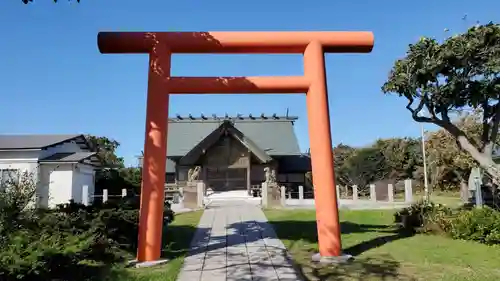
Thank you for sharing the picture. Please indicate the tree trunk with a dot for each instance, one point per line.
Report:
(485, 159)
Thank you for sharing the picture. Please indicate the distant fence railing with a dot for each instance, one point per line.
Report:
(192, 195)
(172, 195)
(298, 195)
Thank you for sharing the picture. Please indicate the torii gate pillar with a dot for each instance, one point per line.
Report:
(161, 45)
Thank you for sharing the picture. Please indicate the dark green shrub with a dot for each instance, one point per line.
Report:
(481, 225)
(117, 221)
(27, 255)
(70, 242)
(423, 216)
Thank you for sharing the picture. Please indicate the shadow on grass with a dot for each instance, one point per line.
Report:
(380, 268)
(306, 231)
(302, 237)
(177, 241)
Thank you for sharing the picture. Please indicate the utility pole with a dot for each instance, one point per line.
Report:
(426, 184)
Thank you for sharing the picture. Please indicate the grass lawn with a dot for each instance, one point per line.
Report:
(381, 252)
(450, 199)
(177, 239)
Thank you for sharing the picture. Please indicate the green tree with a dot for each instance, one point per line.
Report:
(109, 176)
(402, 156)
(341, 153)
(461, 73)
(132, 177)
(106, 151)
(449, 165)
(366, 165)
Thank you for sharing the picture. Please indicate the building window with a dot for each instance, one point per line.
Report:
(9, 177)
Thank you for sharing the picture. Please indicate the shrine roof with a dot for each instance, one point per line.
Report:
(272, 134)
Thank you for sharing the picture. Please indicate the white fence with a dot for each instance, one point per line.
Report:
(354, 201)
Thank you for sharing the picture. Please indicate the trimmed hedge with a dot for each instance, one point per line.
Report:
(480, 225)
(71, 242)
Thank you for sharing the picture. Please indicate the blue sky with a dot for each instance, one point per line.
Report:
(53, 79)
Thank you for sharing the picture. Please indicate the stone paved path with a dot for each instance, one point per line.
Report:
(236, 243)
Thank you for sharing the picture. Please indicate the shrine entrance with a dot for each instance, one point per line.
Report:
(161, 45)
(220, 179)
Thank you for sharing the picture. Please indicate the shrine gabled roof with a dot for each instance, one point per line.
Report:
(273, 134)
(226, 128)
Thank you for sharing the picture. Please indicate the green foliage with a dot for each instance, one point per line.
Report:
(481, 225)
(462, 71)
(402, 156)
(365, 166)
(113, 175)
(106, 150)
(114, 180)
(459, 74)
(393, 158)
(421, 216)
(70, 242)
(340, 154)
(30, 255)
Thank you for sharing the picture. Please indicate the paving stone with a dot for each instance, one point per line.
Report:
(189, 275)
(235, 243)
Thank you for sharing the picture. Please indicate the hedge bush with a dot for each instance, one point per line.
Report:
(70, 242)
(423, 216)
(481, 225)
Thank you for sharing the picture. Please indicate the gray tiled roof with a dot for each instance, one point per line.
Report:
(225, 128)
(32, 141)
(68, 157)
(274, 136)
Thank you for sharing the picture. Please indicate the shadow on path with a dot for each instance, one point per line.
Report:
(249, 232)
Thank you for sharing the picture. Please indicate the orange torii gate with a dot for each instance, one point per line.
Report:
(161, 45)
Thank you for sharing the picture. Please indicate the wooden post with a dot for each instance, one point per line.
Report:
(181, 197)
(338, 191)
(408, 191)
(390, 192)
(249, 173)
(155, 160)
(301, 194)
(373, 193)
(318, 117)
(200, 191)
(264, 192)
(85, 195)
(354, 192)
(283, 195)
(104, 195)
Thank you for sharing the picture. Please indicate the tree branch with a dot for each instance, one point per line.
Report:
(444, 123)
(416, 111)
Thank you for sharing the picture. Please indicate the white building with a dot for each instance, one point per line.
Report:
(59, 165)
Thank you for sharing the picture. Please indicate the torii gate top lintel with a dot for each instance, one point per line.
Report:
(249, 42)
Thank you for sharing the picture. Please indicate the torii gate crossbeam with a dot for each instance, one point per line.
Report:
(161, 45)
